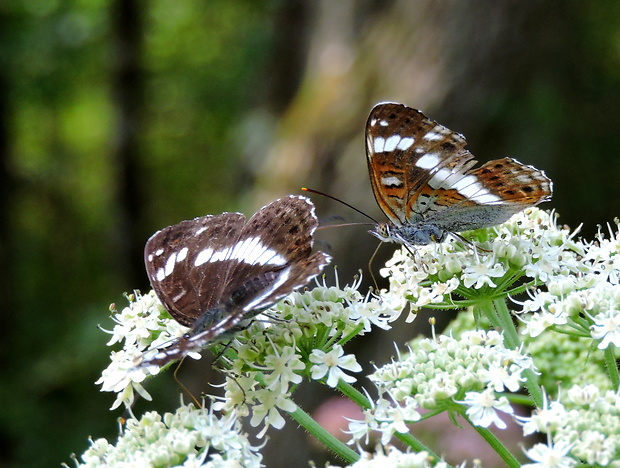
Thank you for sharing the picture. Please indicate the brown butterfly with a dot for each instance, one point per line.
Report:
(214, 273)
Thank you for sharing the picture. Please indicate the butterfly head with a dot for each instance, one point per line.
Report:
(409, 234)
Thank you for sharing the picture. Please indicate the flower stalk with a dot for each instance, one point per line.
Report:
(328, 440)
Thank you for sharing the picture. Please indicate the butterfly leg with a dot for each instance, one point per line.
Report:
(468, 243)
(372, 275)
(182, 385)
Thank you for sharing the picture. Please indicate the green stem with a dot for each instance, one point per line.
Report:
(495, 443)
(511, 336)
(531, 384)
(353, 394)
(508, 280)
(485, 308)
(612, 367)
(518, 399)
(522, 288)
(331, 442)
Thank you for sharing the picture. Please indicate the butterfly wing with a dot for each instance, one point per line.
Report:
(218, 261)
(186, 263)
(255, 295)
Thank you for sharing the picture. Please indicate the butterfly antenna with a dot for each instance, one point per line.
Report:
(340, 201)
(343, 225)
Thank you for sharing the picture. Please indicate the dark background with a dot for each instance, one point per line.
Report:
(118, 118)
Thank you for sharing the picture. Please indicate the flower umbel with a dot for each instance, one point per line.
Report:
(189, 435)
(483, 407)
(433, 376)
(550, 456)
(529, 246)
(142, 325)
(586, 425)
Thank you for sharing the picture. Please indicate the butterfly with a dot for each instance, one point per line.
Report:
(422, 179)
(214, 273)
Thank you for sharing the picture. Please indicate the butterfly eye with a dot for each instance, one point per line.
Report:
(382, 232)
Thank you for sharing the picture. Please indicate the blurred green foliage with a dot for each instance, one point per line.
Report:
(58, 59)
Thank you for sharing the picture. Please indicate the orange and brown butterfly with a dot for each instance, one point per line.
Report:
(422, 179)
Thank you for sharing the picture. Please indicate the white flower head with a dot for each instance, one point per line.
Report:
(188, 437)
(281, 368)
(606, 328)
(332, 363)
(587, 423)
(549, 418)
(481, 274)
(143, 324)
(483, 407)
(550, 456)
(529, 245)
(268, 410)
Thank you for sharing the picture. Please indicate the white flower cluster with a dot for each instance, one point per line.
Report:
(550, 456)
(143, 324)
(583, 298)
(588, 303)
(587, 422)
(438, 373)
(304, 332)
(187, 438)
(574, 301)
(529, 245)
(573, 287)
(265, 360)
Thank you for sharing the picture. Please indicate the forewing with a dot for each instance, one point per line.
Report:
(187, 263)
(405, 151)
